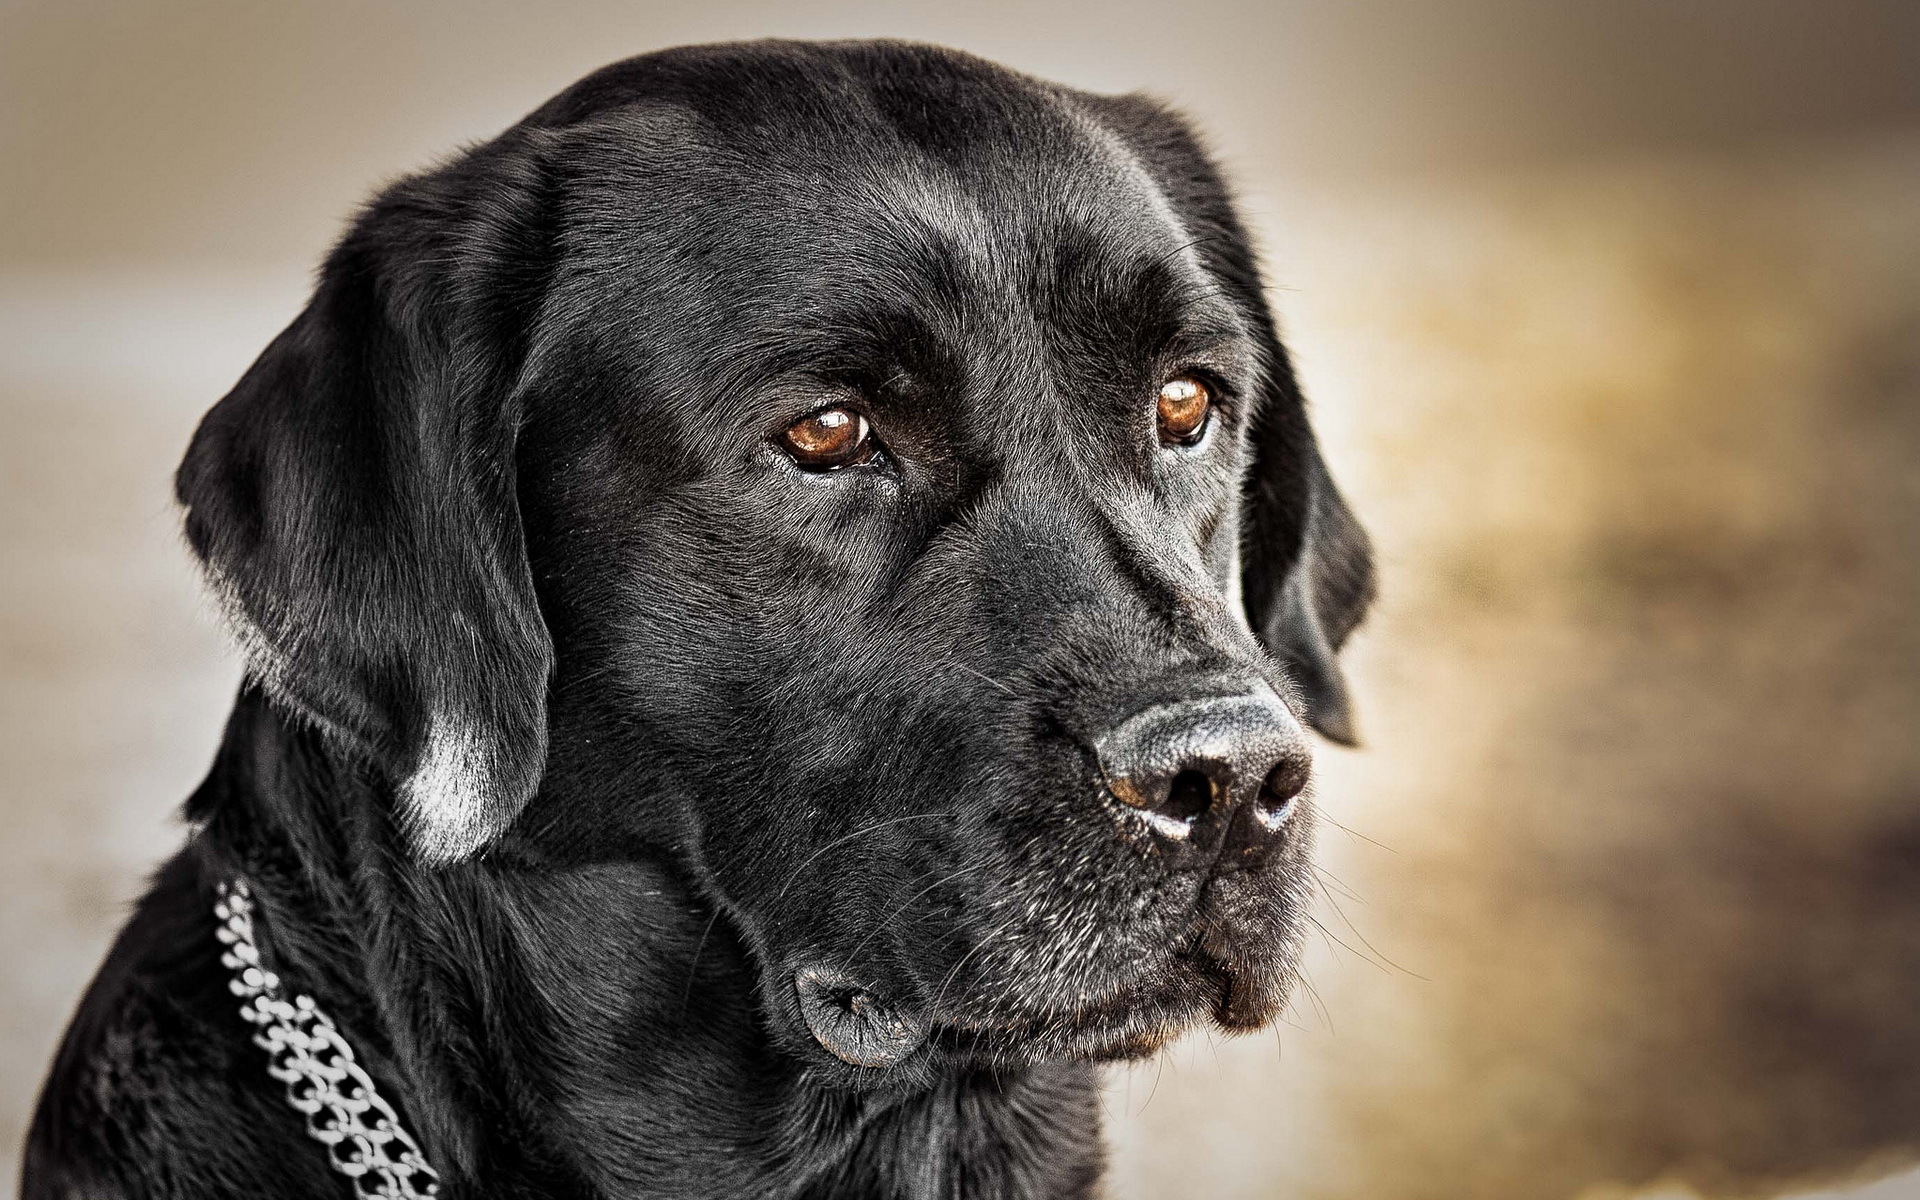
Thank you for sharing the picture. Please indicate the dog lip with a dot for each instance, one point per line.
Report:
(1189, 985)
(1167, 985)
(853, 1022)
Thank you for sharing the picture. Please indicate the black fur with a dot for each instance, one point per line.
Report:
(580, 721)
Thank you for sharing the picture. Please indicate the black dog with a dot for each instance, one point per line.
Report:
(775, 593)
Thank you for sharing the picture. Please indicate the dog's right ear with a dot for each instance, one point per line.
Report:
(352, 502)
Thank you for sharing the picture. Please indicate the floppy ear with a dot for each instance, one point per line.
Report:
(352, 502)
(1306, 573)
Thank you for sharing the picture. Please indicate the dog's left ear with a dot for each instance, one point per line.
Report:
(1306, 573)
(352, 501)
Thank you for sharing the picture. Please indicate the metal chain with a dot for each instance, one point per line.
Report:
(362, 1133)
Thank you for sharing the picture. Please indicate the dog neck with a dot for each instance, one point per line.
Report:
(587, 1027)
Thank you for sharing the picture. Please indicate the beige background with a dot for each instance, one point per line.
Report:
(1611, 313)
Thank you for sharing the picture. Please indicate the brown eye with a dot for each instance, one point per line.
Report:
(832, 437)
(1183, 407)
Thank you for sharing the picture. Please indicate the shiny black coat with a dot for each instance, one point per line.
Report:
(581, 723)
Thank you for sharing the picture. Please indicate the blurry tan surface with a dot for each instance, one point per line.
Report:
(1611, 314)
(1641, 449)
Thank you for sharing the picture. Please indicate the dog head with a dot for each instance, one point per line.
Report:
(863, 474)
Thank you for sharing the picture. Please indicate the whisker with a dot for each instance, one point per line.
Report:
(844, 839)
(1354, 833)
(994, 932)
(1362, 939)
(1319, 1006)
(1159, 1067)
(1325, 878)
(982, 677)
(1335, 941)
(686, 993)
(907, 903)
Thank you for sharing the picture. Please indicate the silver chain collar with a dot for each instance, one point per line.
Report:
(363, 1135)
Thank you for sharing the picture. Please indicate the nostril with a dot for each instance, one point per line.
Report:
(1189, 797)
(1280, 792)
(1214, 777)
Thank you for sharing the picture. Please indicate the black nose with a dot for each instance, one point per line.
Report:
(1214, 778)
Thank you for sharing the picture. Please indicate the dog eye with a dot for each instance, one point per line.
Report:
(830, 438)
(1183, 407)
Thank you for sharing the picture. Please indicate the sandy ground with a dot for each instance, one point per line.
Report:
(1624, 893)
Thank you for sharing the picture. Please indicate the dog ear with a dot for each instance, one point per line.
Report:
(1306, 574)
(352, 502)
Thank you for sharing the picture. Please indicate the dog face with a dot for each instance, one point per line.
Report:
(867, 477)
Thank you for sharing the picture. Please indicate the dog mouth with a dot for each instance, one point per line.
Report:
(861, 1025)
(1186, 987)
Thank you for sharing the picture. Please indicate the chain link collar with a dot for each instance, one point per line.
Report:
(363, 1135)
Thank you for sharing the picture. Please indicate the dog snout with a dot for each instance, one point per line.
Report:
(1216, 778)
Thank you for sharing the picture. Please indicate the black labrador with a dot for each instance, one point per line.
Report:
(779, 595)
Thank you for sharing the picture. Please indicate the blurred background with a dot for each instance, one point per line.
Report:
(1610, 312)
